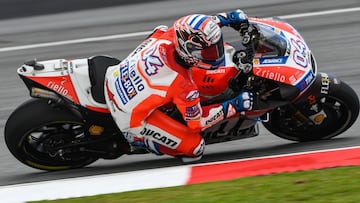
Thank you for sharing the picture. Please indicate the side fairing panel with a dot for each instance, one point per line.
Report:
(80, 76)
(69, 78)
(54, 75)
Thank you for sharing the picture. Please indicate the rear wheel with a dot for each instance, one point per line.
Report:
(38, 134)
(328, 117)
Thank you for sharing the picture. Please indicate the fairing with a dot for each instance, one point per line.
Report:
(283, 55)
(68, 78)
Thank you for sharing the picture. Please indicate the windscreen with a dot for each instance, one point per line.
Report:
(271, 43)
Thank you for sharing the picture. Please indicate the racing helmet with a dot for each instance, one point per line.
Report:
(199, 41)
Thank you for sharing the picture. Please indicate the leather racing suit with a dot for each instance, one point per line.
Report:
(151, 77)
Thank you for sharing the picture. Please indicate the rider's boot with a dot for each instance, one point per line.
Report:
(141, 142)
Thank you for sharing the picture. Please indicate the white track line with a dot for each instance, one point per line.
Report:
(75, 41)
(320, 13)
(95, 185)
(135, 34)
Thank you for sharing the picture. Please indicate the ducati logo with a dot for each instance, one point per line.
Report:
(166, 140)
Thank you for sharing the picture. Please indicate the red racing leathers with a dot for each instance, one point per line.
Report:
(149, 78)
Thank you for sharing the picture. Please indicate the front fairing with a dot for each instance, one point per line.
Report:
(282, 55)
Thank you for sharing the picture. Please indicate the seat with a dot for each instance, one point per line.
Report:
(97, 70)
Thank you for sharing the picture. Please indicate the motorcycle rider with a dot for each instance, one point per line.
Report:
(158, 72)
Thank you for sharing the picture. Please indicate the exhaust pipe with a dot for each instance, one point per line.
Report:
(46, 94)
(41, 93)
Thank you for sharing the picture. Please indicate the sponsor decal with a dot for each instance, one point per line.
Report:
(309, 79)
(216, 71)
(116, 73)
(137, 80)
(271, 61)
(306, 81)
(167, 140)
(163, 54)
(192, 95)
(311, 99)
(325, 83)
(266, 73)
(292, 79)
(215, 115)
(96, 130)
(192, 112)
(60, 84)
(58, 87)
(121, 92)
(284, 74)
(276, 60)
(128, 83)
(318, 118)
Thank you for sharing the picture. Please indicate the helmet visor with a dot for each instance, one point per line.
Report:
(212, 55)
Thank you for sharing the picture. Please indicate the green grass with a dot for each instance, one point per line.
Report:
(327, 185)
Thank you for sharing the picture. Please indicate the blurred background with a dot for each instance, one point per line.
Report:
(333, 37)
(26, 8)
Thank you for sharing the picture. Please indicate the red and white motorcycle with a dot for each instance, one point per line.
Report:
(67, 123)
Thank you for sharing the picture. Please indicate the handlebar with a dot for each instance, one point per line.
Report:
(244, 58)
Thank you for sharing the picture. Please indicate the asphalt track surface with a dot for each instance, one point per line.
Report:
(334, 39)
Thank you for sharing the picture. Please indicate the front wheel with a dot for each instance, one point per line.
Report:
(324, 118)
(36, 134)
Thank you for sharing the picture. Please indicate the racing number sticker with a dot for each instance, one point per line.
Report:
(300, 53)
(152, 61)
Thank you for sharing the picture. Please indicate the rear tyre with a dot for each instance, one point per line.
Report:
(340, 107)
(36, 132)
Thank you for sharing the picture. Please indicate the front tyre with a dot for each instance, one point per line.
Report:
(335, 113)
(36, 132)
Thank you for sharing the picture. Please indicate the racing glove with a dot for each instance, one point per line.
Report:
(236, 19)
(242, 102)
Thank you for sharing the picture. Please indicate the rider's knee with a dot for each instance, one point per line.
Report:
(176, 138)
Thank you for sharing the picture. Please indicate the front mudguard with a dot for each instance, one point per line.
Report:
(323, 85)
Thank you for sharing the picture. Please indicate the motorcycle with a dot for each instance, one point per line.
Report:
(67, 123)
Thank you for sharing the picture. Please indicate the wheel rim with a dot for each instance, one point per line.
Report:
(338, 117)
(42, 146)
